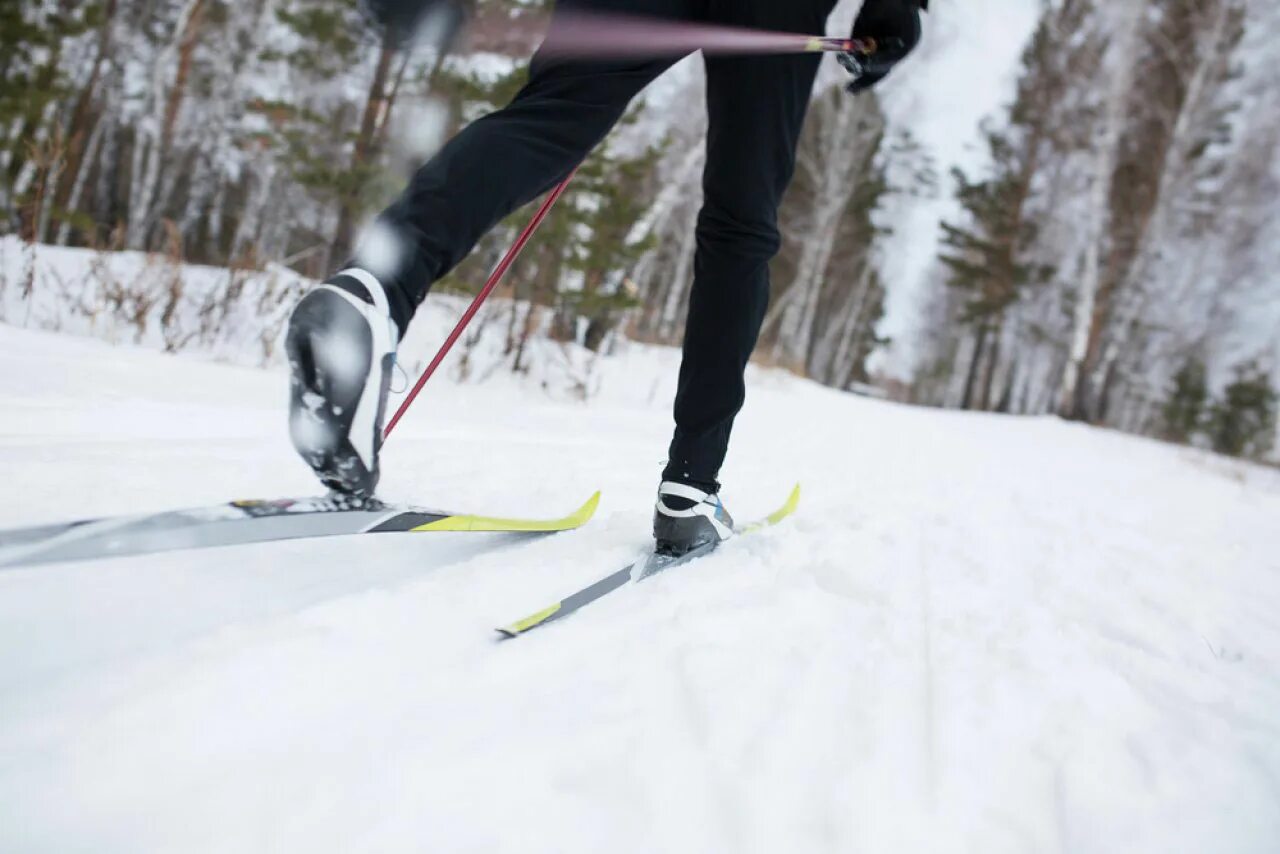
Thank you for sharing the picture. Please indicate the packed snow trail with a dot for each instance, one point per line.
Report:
(978, 633)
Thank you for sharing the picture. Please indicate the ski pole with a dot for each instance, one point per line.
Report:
(494, 277)
(583, 34)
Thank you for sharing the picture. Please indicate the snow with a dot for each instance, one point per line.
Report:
(978, 634)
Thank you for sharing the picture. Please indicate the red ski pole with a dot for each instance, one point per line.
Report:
(494, 277)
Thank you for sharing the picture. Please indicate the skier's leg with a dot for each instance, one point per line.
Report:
(756, 106)
(342, 336)
(504, 160)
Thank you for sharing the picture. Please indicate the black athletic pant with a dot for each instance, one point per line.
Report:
(755, 106)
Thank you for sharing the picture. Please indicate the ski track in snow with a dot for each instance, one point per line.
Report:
(978, 634)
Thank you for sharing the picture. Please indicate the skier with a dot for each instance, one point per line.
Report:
(342, 336)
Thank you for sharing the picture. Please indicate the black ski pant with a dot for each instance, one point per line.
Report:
(755, 106)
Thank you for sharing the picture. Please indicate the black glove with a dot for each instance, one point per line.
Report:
(403, 18)
(893, 26)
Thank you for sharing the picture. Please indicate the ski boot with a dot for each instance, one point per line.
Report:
(687, 518)
(341, 345)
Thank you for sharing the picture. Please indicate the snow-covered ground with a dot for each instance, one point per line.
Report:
(978, 634)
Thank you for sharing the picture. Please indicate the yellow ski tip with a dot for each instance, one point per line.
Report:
(521, 626)
(793, 501)
(576, 519)
(789, 507)
(584, 513)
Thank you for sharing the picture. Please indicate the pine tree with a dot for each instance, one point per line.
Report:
(1184, 409)
(992, 256)
(611, 194)
(1243, 422)
(987, 257)
(314, 134)
(33, 82)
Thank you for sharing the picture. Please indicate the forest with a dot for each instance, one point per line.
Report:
(1113, 259)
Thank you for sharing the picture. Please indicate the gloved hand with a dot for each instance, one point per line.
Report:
(894, 27)
(403, 18)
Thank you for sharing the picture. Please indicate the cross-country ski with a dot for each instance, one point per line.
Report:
(646, 567)
(253, 521)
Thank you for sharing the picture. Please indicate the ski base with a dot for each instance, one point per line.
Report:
(243, 522)
(638, 571)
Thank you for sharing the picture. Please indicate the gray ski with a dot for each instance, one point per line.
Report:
(241, 522)
(638, 571)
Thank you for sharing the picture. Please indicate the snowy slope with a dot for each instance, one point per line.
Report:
(979, 634)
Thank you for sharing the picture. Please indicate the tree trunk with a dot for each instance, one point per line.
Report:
(831, 169)
(251, 219)
(970, 381)
(376, 113)
(843, 359)
(668, 200)
(80, 140)
(989, 373)
(104, 194)
(543, 288)
(681, 281)
(1088, 317)
(154, 133)
(81, 178)
(1004, 404)
(225, 104)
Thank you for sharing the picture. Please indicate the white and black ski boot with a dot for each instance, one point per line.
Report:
(341, 345)
(688, 518)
